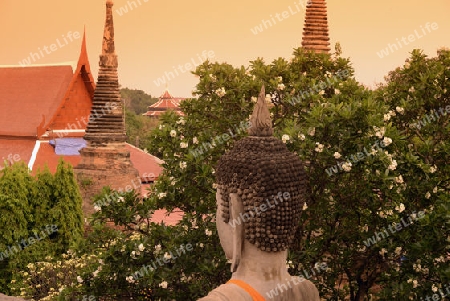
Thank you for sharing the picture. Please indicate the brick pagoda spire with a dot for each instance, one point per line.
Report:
(315, 32)
(105, 161)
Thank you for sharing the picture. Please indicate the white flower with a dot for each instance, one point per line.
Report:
(400, 208)
(285, 138)
(254, 99)
(427, 195)
(268, 98)
(417, 267)
(141, 247)
(319, 147)
(195, 140)
(120, 199)
(214, 186)
(173, 133)
(387, 117)
(208, 232)
(97, 208)
(337, 155)
(434, 288)
(184, 145)
(221, 92)
(415, 283)
(201, 245)
(337, 91)
(79, 279)
(163, 284)
(379, 132)
(133, 254)
(398, 250)
(167, 256)
(411, 90)
(365, 228)
(347, 166)
(280, 78)
(311, 131)
(161, 126)
(181, 121)
(433, 169)
(281, 86)
(387, 141)
(322, 92)
(305, 206)
(435, 189)
(157, 248)
(301, 136)
(130, 279)
(399, 179)
(162, 195)
(393, 165)
(400, 110)
(383, 251)
(183, 165)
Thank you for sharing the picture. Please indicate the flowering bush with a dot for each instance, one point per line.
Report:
(378, 199)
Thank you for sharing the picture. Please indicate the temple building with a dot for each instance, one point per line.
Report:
(166, 102)
(44, 115)
(315, 32)
(43, 109)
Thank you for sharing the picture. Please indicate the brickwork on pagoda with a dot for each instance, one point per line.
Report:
(315, 32)
(105, 161)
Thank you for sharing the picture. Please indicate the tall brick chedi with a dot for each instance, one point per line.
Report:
(315, 32)
(105, 161)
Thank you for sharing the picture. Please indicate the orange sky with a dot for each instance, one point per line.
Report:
(157, 35)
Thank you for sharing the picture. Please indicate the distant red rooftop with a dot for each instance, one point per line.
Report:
(166, 102)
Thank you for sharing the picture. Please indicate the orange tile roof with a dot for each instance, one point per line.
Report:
(29, 97)
(21, 150)
(165, 102)
(148, 165)
(13, 150)
(46, 156)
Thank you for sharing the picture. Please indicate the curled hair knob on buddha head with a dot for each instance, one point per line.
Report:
(260, 120)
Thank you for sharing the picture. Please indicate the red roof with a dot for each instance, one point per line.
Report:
(21, 150)
(29, 97)
(165, 102)
(149, 166)
(14, 150)
(47, 156)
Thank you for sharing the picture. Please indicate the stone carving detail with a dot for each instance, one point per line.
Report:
(106, 160)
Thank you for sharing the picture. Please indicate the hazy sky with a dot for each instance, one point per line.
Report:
(156, 36)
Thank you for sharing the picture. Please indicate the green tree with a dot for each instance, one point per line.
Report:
(138, 128)
(137, 101)
(41, 217)
(378, 199)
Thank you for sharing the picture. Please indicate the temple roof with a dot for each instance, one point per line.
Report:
(315, 32)
(29, 96)
(149, 166)
(166, 102)
(34, 95)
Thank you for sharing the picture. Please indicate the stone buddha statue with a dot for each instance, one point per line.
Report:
(260, 196)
